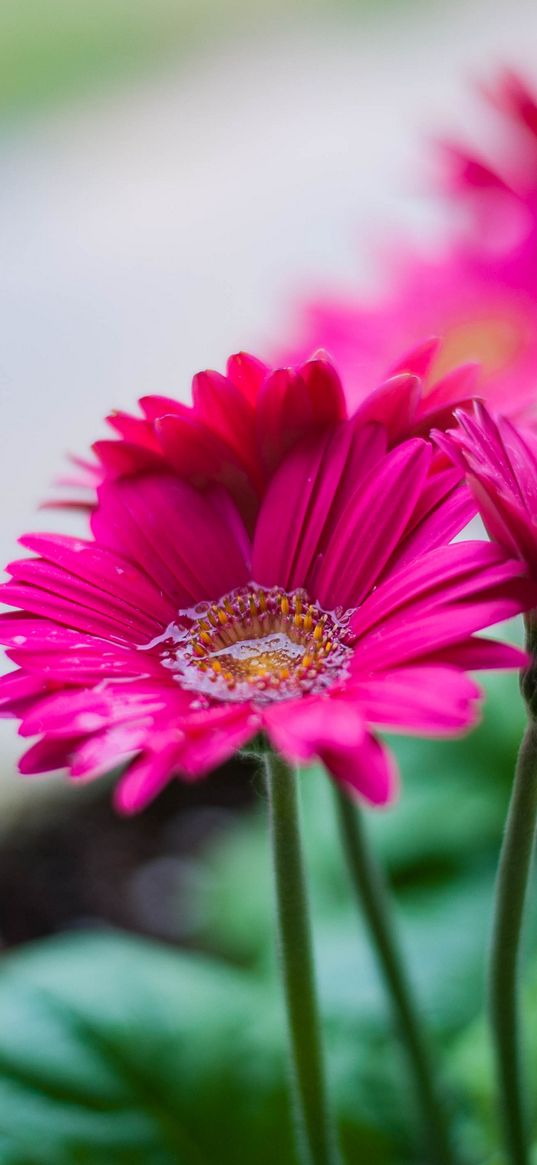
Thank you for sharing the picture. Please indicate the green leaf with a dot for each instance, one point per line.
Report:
(113, 1049)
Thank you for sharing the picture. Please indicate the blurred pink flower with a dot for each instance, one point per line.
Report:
(501, 190)
(173, 635)
(479, 294)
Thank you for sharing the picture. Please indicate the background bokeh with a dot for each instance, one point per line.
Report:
(174, 176)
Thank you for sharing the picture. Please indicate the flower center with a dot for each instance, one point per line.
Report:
(494, 341)
(257, 644)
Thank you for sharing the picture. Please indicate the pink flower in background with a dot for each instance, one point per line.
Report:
(172, 636)
(501, 189)
(478, 293)
(241, 425)
(501, 465)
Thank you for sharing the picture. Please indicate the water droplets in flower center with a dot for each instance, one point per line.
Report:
(257, 644)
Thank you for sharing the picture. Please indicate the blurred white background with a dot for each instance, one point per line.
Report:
(149, 228)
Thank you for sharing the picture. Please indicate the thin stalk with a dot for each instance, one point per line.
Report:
(371, 891)
(316, 1137)
(511, 889)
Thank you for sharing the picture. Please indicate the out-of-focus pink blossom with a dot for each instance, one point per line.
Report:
(477, 292)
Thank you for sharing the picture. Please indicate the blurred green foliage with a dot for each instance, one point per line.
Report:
(48, 50)
(117, 1049)
(52, 49)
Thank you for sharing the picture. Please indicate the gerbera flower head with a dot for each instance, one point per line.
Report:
(174, 634)
(477, 291)
(500, 461)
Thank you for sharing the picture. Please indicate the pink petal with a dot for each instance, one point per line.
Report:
(76, 712)
(302, 729)
(73, 613)
(368, 771)
(247, 374)
(115, 576)
(437, 528)
(17, 686)
(418, 360)
(476, 653)
(223, 409)
(394, 405)
(171, 532)
(211, 737)
(201, 456)
(145, 779)
(48, 578)
(192, 748)
(427, 700)
(443, 576)
(321, 473)
(372, 525)
(456, 387)
(88, 665)
(126, 457)
(134, 430)
(154, 407)
(103, 751)
(293, 402)
(47, 755)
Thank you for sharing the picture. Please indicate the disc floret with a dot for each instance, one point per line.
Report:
(258, 643)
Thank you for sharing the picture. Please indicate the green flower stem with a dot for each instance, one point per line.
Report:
(316, 1135)
(371, 892)
(511, 887)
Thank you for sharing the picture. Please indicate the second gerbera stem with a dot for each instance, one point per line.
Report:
(511, 888)
(370, 889)
(513, 872)
(317, 1138)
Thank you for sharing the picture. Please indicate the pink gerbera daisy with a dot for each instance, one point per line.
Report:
(173, 636)
(478, 292)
